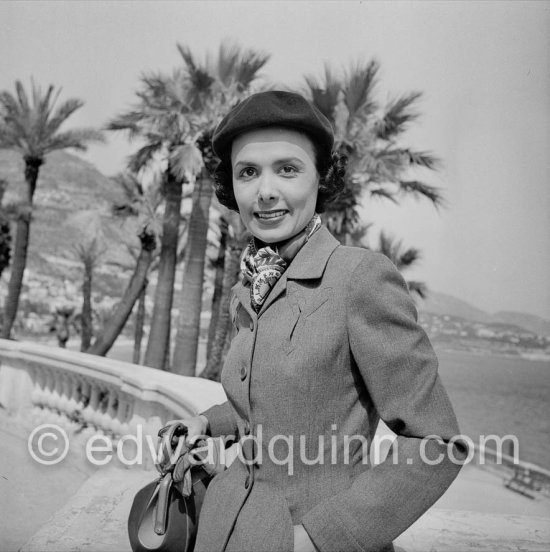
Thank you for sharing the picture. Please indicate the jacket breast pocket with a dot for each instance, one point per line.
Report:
(305, 308)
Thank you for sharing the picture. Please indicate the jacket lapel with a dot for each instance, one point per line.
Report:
(309, 263)
(311, 260)
(243, 295)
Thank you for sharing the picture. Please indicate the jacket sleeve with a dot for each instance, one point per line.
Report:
(399, 367)
(221, 420)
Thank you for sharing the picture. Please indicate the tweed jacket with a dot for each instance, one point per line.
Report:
(335, 347)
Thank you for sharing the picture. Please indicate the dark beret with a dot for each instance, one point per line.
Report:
(273, 108)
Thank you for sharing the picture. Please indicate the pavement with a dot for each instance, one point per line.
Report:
(31, 493)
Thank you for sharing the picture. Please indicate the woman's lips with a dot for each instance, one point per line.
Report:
(270, 215)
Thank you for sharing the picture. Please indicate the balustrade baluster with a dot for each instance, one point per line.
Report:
(90, 410)
(37, 395)
(106, 421)
(116, 424)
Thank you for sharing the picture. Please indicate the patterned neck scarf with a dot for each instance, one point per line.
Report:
(263, 267)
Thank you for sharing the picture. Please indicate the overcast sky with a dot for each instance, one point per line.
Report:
(483, 67)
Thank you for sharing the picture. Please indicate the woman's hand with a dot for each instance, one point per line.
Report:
(197, 428)
(302, 542)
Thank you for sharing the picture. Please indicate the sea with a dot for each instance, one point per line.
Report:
(495, 395)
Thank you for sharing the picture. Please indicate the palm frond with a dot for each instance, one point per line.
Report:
(398, 114)
(186, 161)
(409, 257)
(77, 138)
(383, 192)
(394, 250)
(360, 82)
(9, 139)
(385, 165)
(43, 106)
(420, 189)
(199, 76)
(129, 122)
(359, 234)
(9, 104)
(325, 93)
(228, 55)
(248, 67)
(143, 156)
(22, 97)
(422, 159)
(62, 113)
(420, 288)
(389, 246)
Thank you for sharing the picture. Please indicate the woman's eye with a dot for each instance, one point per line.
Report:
(247, 172)
(288, 170)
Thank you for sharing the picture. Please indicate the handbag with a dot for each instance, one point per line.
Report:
(164, 514)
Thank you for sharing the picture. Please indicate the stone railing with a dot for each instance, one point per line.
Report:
(87, 394)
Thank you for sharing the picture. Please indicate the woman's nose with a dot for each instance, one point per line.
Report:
(267, 190)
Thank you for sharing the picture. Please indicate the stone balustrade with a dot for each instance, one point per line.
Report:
(87, 394)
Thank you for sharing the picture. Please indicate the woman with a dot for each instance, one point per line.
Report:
(327, 343)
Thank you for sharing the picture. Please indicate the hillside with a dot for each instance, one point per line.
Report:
(441, 303)
(444, 304)
(72, 203)
(530, 322)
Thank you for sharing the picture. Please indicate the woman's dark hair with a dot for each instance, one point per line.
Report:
(331, 169)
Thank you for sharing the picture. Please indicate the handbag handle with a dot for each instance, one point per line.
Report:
(161, 511)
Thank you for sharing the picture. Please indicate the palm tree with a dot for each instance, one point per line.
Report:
(165, 119)
(32, 127)
(143, 205)
(403, 258)
(218, 84)
(369, 135)
(89, 252)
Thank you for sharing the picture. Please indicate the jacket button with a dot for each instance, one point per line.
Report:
(243, 373)
(251, 326)
(247, 482)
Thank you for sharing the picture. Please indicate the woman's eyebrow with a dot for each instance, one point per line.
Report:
(245, 163)
(288, 160)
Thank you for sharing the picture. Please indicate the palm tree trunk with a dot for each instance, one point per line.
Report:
(140, 319)
(187, 339)
(214, 364)
(218, 284)
(86, 336)
(32, 166)
(158, 346)
(5, 232)
(137, 283)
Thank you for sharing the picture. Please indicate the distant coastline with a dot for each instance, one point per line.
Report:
(449, 347)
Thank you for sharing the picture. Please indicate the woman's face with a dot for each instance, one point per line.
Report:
(275, 182)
